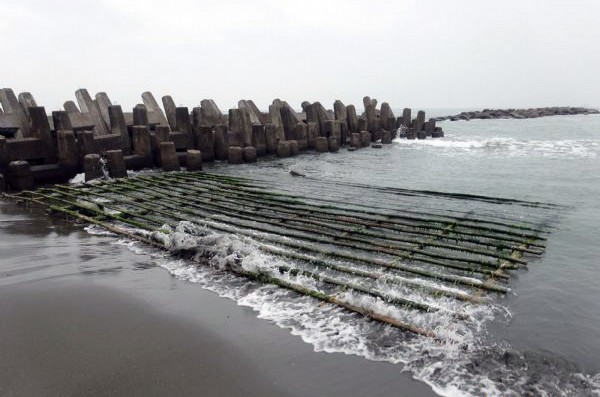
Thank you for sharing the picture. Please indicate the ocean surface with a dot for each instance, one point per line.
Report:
(543, 338)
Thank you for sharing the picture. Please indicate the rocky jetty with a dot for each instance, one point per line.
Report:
(519, 113)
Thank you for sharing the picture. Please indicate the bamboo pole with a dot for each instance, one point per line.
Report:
(199, 192)
(416, 256)
(449, 278)
(254, 275)
(434, 291)
(284, 199)
(341, 197)
(381, 222)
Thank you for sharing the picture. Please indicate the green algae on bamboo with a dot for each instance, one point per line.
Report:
(420, 256)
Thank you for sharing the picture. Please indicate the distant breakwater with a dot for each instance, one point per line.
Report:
(95, 137)
(519, 113)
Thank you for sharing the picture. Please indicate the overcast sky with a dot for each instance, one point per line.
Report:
(417, 53)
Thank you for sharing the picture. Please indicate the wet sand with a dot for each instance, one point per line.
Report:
(70, 337)
(80, 316)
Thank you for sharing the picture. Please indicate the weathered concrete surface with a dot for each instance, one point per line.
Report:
(119, 127)
(355, 140)
(236, 128)
(259, 139)
(271, 138)
(386, 137)
(103, 102)
(246, 126)
(169, 105)
(277, 122)
(194, 160)
(162, 133)
(205, 142)
(154, 109)
(352, 119)
(321, 144)
(68, 151)
(340, 111)
(141, 144)
(302, 135)
(235, 155)
(333, 129)
(40, 128)
(115, 163)
(386, 117)
(61, 120)
(294, 148)
(249, 154)
(312, 117)
(430, 127)
(26, 100)
(377, 135)
(284, 149)
(221, 143)
(168, 157)
(19, 175)
(87, 105)
(289, 120)
(419, 122)
(262, 117)
(251, 109)
(370, 113)
(235, 139)
(11, 105)
(365, 138)
(210, 112)
(333, 144)
(312, 133)
(323, 116)
(140, 115)
(183, 124)
(92, 167)
(362, 124)
(406, 117)
(71, 107)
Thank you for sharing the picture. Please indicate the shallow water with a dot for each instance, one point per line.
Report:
(548, 324)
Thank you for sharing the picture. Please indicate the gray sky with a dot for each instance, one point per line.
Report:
(417, 53)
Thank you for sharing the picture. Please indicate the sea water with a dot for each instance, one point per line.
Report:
(543, 338)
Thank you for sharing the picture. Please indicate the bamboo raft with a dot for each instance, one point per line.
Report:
(407, 258)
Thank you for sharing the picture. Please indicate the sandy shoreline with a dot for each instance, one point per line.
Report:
(107, 321)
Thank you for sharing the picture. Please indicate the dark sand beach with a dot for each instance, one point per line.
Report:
(84, 317)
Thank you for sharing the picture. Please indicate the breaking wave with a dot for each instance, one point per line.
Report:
(506, 146)
(461, 362)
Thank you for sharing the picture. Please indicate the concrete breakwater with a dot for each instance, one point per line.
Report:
(96, 137)
(519, 113)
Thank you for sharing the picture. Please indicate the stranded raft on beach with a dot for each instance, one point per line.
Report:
(36, 148)
(518, 113)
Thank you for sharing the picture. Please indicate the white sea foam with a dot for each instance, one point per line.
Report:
(445, 363)
(98, 230)
(77, 179)
(506, 146)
